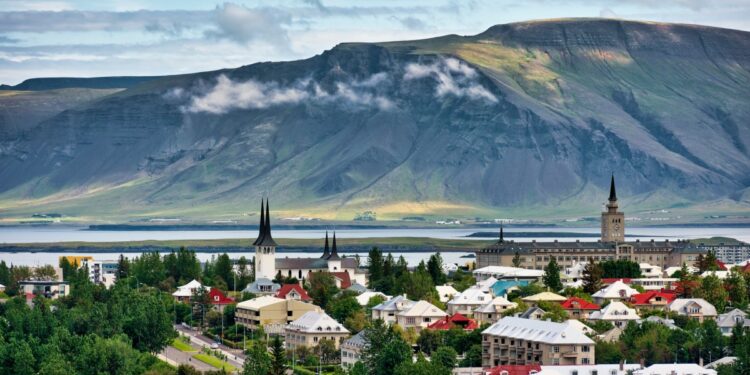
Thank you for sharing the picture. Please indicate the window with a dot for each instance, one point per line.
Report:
(585, 349)
(556, 349)
(585, 361)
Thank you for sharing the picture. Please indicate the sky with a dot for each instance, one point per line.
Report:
(55, 38)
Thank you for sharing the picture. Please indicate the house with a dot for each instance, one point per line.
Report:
(514, 370)
(185, 293)
(218, 299)
(454, 321)
(654, 283)
(669, 323)
(445, 292)
(507, 273)
(728, 321)
(674, 369)
(468, 300)
(532, 313)
(311, 328)
(582, 327)
(293, 291)
(544, 297)
(342, 279)
(364, 298)
(616, 313)
(351, 350)
(271, 313)
(721, 361)
(669, 271)
(579, 308)
(696, 308)
(357, 288)
(517, 341)
(720, 274)
(613, 335)
(503, 287)
(598, 369)
(102, 272)
(387, 310)
(493, 310)
(419, 315)
(574, 272)
(52, 289)
(652, 300)
(649, 271)
(262, 287)
(616, 291)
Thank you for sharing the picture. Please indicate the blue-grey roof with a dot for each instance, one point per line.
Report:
(254, 287)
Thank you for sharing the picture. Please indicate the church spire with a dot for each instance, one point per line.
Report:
(334, 251)
(325, 248)
(502, 238)
(261, 225)
(265, 239)
(612, 192)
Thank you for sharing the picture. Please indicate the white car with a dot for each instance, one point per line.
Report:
(215, 346)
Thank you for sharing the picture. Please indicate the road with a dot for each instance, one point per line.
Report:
(235, 357)
(174, 356)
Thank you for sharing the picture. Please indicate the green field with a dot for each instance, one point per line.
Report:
(182, 346)
(215, 362)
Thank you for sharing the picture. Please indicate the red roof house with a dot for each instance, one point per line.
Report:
(652, 298)
(217, 297)
(721, 265)
(293, 291)
(456, 320)
(515, 370)
(746, 268)
(579, 308)
(343, 280)
(607, 281)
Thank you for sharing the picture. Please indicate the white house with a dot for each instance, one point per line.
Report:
(720, 274)
(467, 301)
(648, 270)
(696, 308)
(507, 273)
(493, 310)
(311, 328)
(446, 292)
(185, 292)
(617, 291)
(419, 315)
(728, 321)
(364, 298)
(616, 313)
(387, 310)
(351, 350)
(674, 369)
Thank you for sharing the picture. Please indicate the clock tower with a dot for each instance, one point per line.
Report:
(613, 221)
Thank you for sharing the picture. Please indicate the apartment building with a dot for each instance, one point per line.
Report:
(271, 313)
(312, 328)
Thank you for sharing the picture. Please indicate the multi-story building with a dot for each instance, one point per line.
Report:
(101, 271)
(579, 308)
(611, 246)
(729, 253)
(351, 350)
(313, 327)
(493, 310)
(52, 289)
(616, 313)
(517, 341)
(271, 313)
(419, 315)
(469, 300)
(696, 308)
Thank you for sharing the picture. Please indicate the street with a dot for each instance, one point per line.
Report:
(235, 357)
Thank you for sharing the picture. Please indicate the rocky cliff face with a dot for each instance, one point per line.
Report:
(523, 115)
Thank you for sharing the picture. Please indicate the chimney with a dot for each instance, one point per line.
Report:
(622, 365)
(700, 362)
(642, 363)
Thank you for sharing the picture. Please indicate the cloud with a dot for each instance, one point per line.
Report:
(608, 13)
(244, 25)
(411, 23)
(77, 20)
(453, 77)
(8, 40)
(226, 95)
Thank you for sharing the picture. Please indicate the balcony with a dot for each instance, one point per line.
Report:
(569, 354)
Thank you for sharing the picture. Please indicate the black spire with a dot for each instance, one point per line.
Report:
(267, 239)
(612, 192)
(502, 239)
(325, 249)
(334, 252)
(261, 224)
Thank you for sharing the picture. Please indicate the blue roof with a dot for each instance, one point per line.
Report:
(500, 288)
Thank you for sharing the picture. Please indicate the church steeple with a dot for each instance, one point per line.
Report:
(325, 248)
(612, 191)
(261, 225)
(334, 251)
(613, 221)
(266, 239)
(502, 237)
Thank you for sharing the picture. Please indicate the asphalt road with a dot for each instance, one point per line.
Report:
(235, 357)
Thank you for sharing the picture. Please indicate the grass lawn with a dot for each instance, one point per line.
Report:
(182, 346)
(215, 362)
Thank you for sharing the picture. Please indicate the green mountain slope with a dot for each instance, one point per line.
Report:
(524, 119)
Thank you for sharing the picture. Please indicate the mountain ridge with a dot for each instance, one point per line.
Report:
(521, 116)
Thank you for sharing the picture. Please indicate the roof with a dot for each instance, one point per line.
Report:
(531, 311)
(357, 287)
(446, 290)
(514, 369)
(422, 308)
(264, 230)
(584, 328)
(544, 296)
(492, 305)
(602, 369)
(538, 330)
(217, 297)
(680, 305)
(733, 317)
(500, 272)
(314, 322)
(311, 263)
(721, 361)
(356, 341)
(615, 311)
(720, 274)
(574, 303)
(669, 323)
(189, 289)
(364, 298)
(617, 289)
(675, 369)
(334, 251)
(258, 303)
(343, 276)
(612, 191)
(396, 303)
(471, 296)
(457, 320)
(288, 288)
(642, 299)
(511, 247)
(254, 286)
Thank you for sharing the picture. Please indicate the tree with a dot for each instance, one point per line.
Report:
(621, 268)
(385, 349)
(257, 362)
(712, 290)
(322, 288)
(22, 358)
(428, 341)
(5, 273)
(435, 268)
(736, 286)
(344, 305)
(551, 277)
(278, 359)
(123, 268)
(445, 356)
(46, 272)
(375, 267)
(473, 357)
(327, 351)
(223, 270)
(712, 341)
(517, 259)
(356, 322)
(592, 277)
(421, 367)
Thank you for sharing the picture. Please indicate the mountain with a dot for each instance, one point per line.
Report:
(56, 83)
(526, 119)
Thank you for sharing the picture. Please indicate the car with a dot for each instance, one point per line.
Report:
(185, 325)
(215, 346)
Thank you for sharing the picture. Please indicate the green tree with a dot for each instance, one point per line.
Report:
(736, 286)
(321, 288)
(621, 268)
(375, 267)
(551, 277)
(385, 349)
(712, 341)
(444, 356)
(223, 270)
(278, 359)
(344, 306)
(712, 290)
(429, 340)
(123, 268)
(517, 259)
(473, 357)
(4, 274)
(257, 362)
(22, 358)
(435, 269)
(592, 277)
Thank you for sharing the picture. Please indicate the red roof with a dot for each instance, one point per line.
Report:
(515, 369)
(608, 281)
(457, 320)
(286, 288)
(217, 297)
(574, 303)
(721, 265)
(746, 268)
(346, 281)
(644, 298)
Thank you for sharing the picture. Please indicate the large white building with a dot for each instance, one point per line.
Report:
(268, 265)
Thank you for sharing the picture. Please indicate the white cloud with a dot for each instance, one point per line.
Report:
(453, 77)
(227, 95)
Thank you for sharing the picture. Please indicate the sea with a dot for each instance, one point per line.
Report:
(55, 234)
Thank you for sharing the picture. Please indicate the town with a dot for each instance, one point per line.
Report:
(560, 308)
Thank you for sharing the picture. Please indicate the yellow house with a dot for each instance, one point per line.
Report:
(76, 260)
(271, 313)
